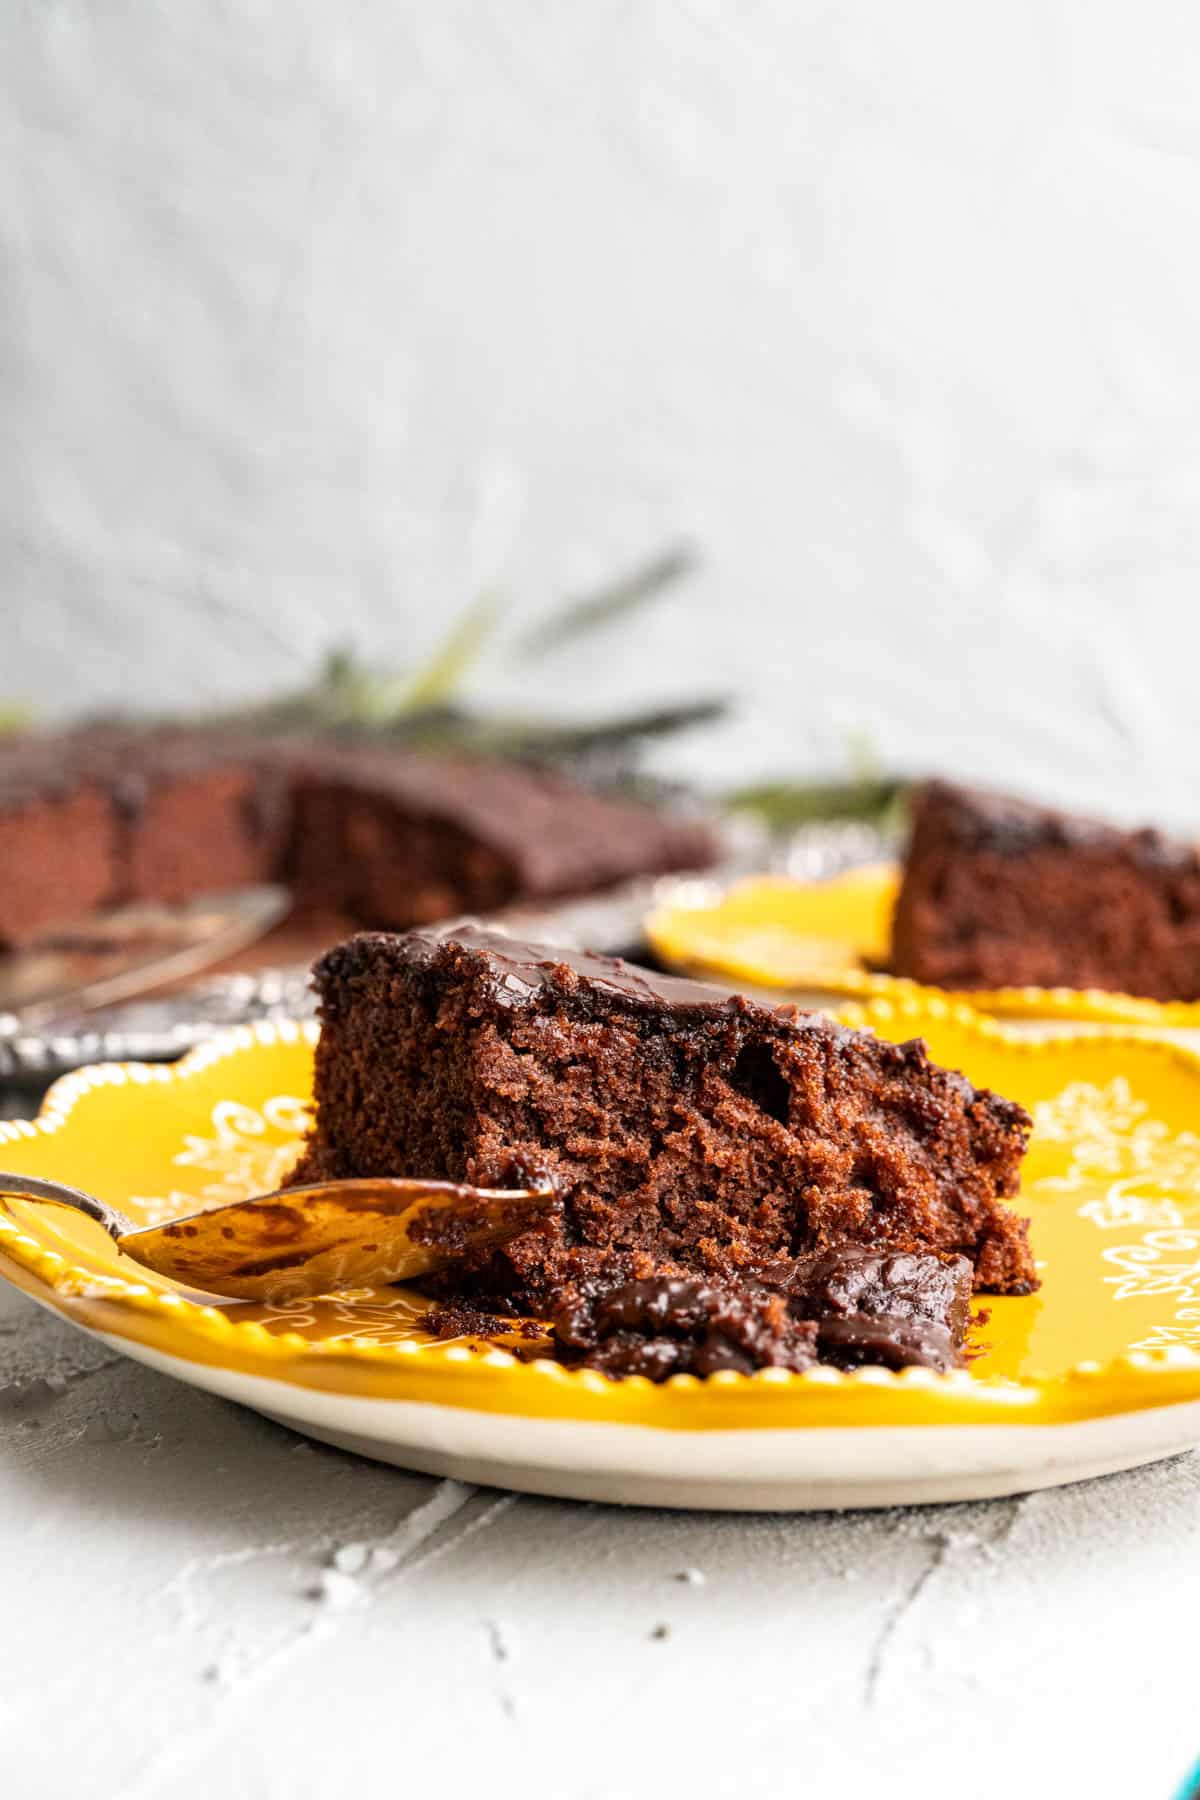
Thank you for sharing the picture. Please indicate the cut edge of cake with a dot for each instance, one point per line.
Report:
(704, 1131)
(999, 892)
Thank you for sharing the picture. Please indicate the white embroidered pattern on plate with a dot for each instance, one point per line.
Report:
(250, 1152)
(1110, 1136)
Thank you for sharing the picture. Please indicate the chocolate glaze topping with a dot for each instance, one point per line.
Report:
(522, 974)
(559, 836)
(853, 1307)
(901, 1284)
(674, 1325)
(979, 819)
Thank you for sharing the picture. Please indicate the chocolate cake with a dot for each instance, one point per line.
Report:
(58, 850)
(1000, 893)
(693, 1135)
(97, 818)
(196, 817)
(397, 839)
(100, 818)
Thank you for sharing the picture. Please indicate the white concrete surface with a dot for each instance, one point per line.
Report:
(195, 1602)
(316, 319)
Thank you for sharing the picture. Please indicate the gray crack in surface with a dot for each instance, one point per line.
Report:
(1002, 1516)
(418, 1538)
(940, 1548)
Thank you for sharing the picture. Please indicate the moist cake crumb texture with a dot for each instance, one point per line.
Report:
(693, 1136)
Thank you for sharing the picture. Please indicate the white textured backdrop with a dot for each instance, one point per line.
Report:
(315, 318)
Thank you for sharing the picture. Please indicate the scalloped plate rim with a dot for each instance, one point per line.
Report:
(735, 1469)
(464, 1378)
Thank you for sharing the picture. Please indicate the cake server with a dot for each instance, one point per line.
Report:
(315, 1239)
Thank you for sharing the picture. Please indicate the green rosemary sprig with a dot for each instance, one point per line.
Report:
(422, 707)
(784, 805)
(441, 677)
(615, 601)
(14, 716)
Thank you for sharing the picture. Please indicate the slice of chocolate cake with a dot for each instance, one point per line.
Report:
(692, 1133)
(999, 893)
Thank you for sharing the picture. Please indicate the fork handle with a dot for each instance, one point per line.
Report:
(32, 1187)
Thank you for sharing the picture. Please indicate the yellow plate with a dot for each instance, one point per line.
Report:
(1099, 1370)
(833, 937)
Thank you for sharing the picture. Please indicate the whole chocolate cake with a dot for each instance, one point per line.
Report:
(999, 893)
(97, 818)
(694, 1136)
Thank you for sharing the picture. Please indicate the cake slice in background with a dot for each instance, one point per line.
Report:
(1000, 893)
(689, 1130)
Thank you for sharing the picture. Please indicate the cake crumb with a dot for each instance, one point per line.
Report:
(691, 1577)
(660, 1632)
